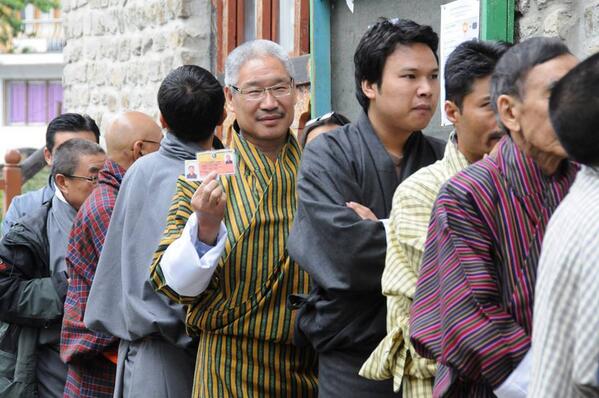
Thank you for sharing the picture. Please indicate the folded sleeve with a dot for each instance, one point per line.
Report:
(188, 264)
(183, 260)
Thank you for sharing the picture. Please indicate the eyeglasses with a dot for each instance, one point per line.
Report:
(330, 117)
(256, 94)
(151, 142)
(93, 179)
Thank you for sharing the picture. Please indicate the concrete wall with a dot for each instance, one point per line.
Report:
(118, 51)
(575, 21)
(348, 28)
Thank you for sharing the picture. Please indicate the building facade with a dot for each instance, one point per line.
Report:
(31, 69)
(118, 51)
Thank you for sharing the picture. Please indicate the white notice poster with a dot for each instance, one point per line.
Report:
(459, 23)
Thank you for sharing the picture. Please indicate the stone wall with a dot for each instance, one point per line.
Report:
(118, 51)
(575, 21)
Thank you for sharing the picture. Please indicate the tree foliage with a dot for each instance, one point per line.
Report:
(10, 15)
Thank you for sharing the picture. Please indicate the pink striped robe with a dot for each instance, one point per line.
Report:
(472, 311)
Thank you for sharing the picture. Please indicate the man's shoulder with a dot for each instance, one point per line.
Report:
(474, 178)
(31, 226)
(437, 144)
(141, 170)
(101, 201)
(330, 148)
(32, 198)
(426, 181)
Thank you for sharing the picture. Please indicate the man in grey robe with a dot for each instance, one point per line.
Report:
(156, 357)
(355, 169)
(61, 129)
(33, 278)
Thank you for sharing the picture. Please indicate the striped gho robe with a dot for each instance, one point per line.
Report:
(472, 311)
(242, 322)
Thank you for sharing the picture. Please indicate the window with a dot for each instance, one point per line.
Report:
(32, 102)
(283, 21)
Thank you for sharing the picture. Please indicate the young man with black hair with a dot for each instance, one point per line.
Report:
(61, 129)
(156, 356)
(33, 277)
(343, 318)
(468, 106)
(472, 308)
(565, 348)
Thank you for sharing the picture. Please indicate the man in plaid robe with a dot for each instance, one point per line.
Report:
(91, 356)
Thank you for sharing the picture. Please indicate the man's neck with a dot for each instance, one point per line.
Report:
(393, 139)
(270, 148)
(470, 157)
(549, 163)
(207, 143)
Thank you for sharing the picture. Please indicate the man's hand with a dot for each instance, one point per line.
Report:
(364, 212)
(209, 202)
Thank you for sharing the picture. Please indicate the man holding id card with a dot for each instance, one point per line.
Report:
(223, 251)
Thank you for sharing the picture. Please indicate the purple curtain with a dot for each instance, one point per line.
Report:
(36, 102)
(54, 100)
(16, 102)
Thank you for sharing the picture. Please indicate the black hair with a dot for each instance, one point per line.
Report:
(333, 118)
(67, 156)
(379, 42)
(72, 123)
(573, 111)
(470, 61)
(513, 67)
(191, 101)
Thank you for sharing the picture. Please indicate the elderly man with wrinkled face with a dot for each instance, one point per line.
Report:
(223, 251)
(472, 309)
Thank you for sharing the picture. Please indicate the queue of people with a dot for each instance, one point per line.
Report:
(360, 259)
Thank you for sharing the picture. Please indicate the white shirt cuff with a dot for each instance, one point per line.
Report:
(516, 385)
(184, 270)
(385, 222)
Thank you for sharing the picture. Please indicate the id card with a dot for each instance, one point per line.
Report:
(223, 162)
(191, 170)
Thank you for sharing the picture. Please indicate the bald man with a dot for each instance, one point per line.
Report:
(91, 356)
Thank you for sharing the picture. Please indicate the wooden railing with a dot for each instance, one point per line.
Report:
(11, 179)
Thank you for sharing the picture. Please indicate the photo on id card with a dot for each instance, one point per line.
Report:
(223, 162)
(191, 170)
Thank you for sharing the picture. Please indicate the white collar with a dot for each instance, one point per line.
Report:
(60, 196)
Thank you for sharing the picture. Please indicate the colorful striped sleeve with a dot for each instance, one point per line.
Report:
(178, 214)
(457, 316)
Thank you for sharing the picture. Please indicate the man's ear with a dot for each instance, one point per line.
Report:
(163, 123)
(369, 89)
(47, 156)
(229, 100)
(136, 149)
(453, 112)
(61, 183)
(508, 109)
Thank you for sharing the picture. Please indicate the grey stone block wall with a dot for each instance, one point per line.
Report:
(118, 51)
(575, 21)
